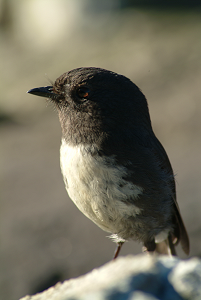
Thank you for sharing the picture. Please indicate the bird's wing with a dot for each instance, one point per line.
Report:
(180, 232)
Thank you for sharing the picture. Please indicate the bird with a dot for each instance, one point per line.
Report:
(114, 168)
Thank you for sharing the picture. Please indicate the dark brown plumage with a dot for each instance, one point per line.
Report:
(111, 155)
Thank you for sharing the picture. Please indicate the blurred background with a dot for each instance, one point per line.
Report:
(44, 238)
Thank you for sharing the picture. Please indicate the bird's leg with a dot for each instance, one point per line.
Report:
(118, 248)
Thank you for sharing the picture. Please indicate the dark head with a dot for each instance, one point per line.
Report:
(94, 103)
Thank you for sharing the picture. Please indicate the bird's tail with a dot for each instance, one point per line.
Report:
(166, 247)
(162, 244)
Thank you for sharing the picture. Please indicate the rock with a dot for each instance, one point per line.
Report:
(138, 277)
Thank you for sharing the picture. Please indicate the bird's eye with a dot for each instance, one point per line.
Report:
(83, 92)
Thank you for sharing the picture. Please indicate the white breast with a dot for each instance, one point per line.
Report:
(97, 187)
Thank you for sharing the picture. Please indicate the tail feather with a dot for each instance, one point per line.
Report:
(182, 237)
(163, 248)
(166, 247)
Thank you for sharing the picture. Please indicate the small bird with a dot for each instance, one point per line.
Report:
(114, 168)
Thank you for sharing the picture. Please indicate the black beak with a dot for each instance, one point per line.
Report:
(46, 91)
